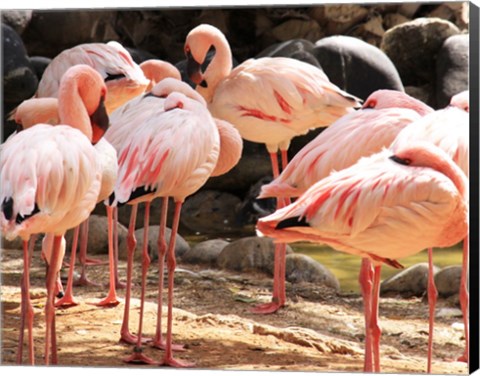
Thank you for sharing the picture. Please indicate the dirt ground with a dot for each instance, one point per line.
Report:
(319, 330)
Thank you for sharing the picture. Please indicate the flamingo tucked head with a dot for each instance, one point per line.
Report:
(36, 110)
(382, 99)
(461, 100)
(156, 70)
(169, 85)
(83, 82)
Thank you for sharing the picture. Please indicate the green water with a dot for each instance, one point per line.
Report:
(346, 267)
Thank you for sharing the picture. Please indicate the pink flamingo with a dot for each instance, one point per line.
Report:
(448, 129)
(156, 70)
(50, 179)
(152, 164)
(45, 110)
(136, 112)
(363, 133)
(123, 77)
(359, 210)
(264, 108)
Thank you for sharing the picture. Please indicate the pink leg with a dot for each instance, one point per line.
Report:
(68, 300)
(26, 305)
(464, 300)
(366, 284)
(83, 280)
(158, 340)
(49, 307)
(138, 356)
(118, 283)
(171, 263)
(125, 335)
(375, 330)
(432, 300)
(111, 299)
(278, 295)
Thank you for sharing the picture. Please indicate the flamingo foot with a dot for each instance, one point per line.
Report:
(107, 302)
(91, 261)
(66, 302)
(139, 357)
(131, 339)
(171, 362)
(267, 308)
(463, 358)
(162, 345)
(84, 281)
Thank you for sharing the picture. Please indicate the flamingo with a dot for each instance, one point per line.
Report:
(152, 164)
(45, 110)
(50, 179)
(123, 77)
(156, 70)
(367, 208)
(123, 122)
(269, 101)
(363, 132)
(448, 129)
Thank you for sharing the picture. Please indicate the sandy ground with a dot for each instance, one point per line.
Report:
(319, 330)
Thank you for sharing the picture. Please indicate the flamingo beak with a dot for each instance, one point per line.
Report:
(99, 121)
(194, 70)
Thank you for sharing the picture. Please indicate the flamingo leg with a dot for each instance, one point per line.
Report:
(464, 301)
(125, 335)
(84, 261)
(366, 284)
(432, 300)
(111, 299)
(138, 356)
(26, 304)
(68, 299)
(171, 264)
(118, 283)
(375, 330)
(278, 295)
(49, 306)
(158, 340)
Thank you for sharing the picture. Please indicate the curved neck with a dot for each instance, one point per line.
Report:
(71, 108)
(219, 67)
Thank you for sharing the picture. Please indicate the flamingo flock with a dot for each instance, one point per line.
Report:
(386, 179)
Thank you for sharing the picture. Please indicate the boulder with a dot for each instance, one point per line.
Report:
(249, 254)
(181, 245)
(413, 47)
(356, 66)
(452, 68)
(447, 280)
(409, 282)
(17, 19)
(302, 268)
(210, 211)
(300, 49)
(205, 252)
(39, 64)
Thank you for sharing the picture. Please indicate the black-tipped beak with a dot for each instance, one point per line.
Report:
(100, 122)
(401, 161)
(19, 127)
(292, 222)
(194, 69)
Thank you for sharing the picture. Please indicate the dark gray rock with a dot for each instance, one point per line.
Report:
(97, 235)
(356, 66)
(302, 268)
(210, 212)
(181, 245)
(300, 49)
(139, 56)
(249, 254)
(447, 280)
(17, 19)
(452, 68)
(71, 27)
(39, 64)
(413, 47)
(205, 252)
(409, 282)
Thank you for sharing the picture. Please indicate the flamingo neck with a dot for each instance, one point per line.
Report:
(219, 68)
(72, 110)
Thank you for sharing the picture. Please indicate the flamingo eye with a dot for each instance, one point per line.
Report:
(372, 103)
(187, 49)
